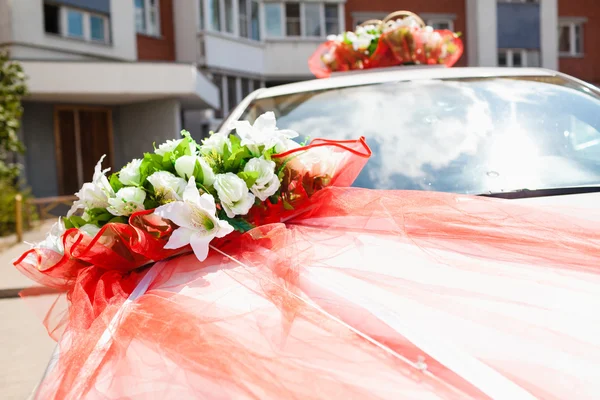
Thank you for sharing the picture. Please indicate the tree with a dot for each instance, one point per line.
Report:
(12, 90)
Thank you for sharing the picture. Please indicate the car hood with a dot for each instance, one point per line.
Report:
(584, 205)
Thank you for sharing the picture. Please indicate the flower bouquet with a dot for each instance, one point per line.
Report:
(402, 38)
(183, 198)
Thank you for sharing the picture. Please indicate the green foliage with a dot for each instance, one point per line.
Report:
(8, 191)
(12, 90)
(248, 177)
(239, 224)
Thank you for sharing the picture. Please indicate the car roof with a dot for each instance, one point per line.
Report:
(375, 76)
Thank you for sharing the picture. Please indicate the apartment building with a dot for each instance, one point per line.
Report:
(112, 76)
(92, 90)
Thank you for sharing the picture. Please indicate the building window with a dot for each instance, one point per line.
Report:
(441, 23)
(147, 19)
(229, 16)
(570, 38)
(218, 80)
(332, 24)
(518, 58)
(273, 19)
(52, 19)
(312, 19)
(245, 87)
(255, 20)
(232, 99)
(98, 28)
(243, 17)
(75, 23)
(214, 13)
(292, 19)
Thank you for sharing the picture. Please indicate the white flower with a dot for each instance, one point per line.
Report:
(408, 22)
(233, 194)
(170, 145)
(130, 174)
(185, 166)
(94, 194)
(264, 132)
(127, 201)
(167, 186)
(267, 183)
(286, 145)
(89, 229)
(197, 221)
(318, 161)
(216, 142)
(430, 37)
(54, 239)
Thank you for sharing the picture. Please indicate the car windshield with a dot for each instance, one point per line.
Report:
(471, 136)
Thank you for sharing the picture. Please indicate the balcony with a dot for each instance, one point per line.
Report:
(231, 53)
(288, 58)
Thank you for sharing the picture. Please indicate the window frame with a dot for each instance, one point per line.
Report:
(571, 24)
(283, 34)
(147, 25)
(63, 25)
(510, 53)
(448, 21)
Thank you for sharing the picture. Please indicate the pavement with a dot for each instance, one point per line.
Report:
(25, 347)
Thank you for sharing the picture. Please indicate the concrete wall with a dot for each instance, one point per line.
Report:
(588, 66)
(5, 28)
(29, 39)
(286, 59)
(186, 14)
(141, 124)
(482, 42)
(234, 54)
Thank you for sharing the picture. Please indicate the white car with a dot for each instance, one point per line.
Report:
(503, 132)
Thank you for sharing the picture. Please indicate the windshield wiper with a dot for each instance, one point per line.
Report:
(528, 193)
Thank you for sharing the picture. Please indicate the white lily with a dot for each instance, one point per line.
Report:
(197, 221)
(263, 133)
(94, 194)
(89, 229)
(54, 239)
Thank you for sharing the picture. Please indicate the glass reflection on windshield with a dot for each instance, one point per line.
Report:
(465, 136)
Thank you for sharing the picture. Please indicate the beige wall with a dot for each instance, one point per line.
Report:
(30, 41)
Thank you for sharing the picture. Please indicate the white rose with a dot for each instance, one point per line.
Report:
(127, 201)
(171, 145)
(267, 183)
(94, 194)
(233, 194)
(263, 133)
(185, 166)
(130, 174)
(89, 229)
(167, 187)
(216, 142)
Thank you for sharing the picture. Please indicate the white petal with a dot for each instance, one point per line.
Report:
(179, 238)
(200, 246)
(288, 133)
(266, 122)
(224, 229)
(243, 129)
(176, 211)
(207, 202)
(228, 210)
(191, 192)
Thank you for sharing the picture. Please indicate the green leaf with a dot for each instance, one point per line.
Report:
(249, 177)
(68, 223)
(118, 220)
(115, 183)
(198, 172)
(239, 224)
(287, 205)
(77, 221)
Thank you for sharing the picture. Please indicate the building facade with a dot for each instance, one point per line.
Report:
(112, 76)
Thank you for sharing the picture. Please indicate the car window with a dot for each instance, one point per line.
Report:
(459, 135)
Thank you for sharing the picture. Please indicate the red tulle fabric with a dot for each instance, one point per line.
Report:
(359, 294)
(395, 47)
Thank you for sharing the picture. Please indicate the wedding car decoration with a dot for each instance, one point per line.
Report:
(402, 38)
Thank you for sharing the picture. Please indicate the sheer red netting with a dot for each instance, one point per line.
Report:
(352, 294)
